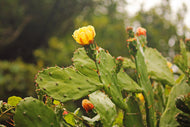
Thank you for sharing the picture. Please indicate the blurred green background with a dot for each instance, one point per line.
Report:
(37, 34)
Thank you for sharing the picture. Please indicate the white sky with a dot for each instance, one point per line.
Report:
(134, 6)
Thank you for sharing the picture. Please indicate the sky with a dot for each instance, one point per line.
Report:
(134, 6)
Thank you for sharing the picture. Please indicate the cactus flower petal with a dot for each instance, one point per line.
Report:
(84, 35)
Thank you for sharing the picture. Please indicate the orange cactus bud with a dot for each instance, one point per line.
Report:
(84, 35)
(141, 31)
(131, 39)
(65, 113)
(87, 105)
(120, 58)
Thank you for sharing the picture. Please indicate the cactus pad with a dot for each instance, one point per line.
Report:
(157, 66)
(168, 117)
(105, 108)
(31, 112)
(107, 71)
(84, 64)
(127, 84)
(66, 84)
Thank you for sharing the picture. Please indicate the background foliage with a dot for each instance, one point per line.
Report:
(38, 33)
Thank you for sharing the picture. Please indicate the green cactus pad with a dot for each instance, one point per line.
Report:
(84, 64)
(87, 67)
(31, 112)
(168, 117)
(105, 108)
(157, 66)
(107, 72)
(127, 84)
(144, 82)
(133, 116)
(128, 63)
(66, 84)
(184, 55)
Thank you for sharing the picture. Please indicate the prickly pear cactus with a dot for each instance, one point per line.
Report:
(66, 84)
(84, 64)
(168, 117)
(87, 67)
(31, 112)
(107, 71)
(133, 113)
(105, 107)
(157, 67)
(144, 82)
(126, 83)
(183, 104)
(136, 46)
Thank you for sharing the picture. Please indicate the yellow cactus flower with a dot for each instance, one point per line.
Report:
(141, 97)
(84, 35)
(169, 66)
(55, 102)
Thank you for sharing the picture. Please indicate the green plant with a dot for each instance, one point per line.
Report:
(115, 99)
